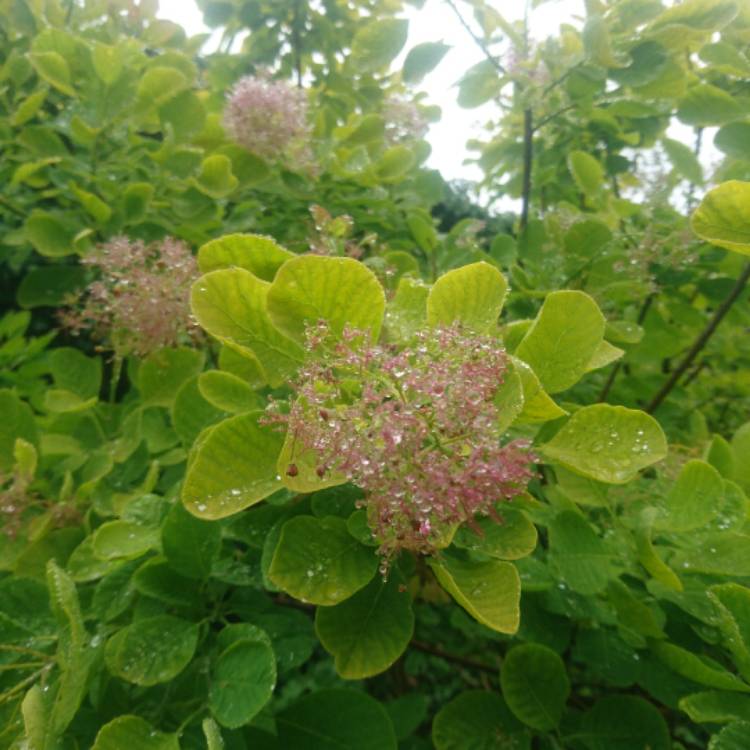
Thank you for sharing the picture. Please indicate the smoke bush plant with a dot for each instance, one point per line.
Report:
(415, 427)
(218, 591)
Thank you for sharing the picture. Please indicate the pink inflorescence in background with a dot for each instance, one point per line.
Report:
(269, 118)
(141, 300)
(404, 121)
(416, 428)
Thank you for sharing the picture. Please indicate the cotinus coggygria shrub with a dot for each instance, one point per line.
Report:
(419, 401)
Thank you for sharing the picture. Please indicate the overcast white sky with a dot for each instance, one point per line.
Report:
(434, 22)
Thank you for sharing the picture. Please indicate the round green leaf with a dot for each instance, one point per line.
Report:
(231, 305)
(719, 553)
(723, 217)
(108, 62)
(29, 107)
(162, 373)
(733, 616)
(216, 179)
(582, 559)
(191, 545)
(334, 720)
(50, 286)
(260, 255)
(535, 685)
(133, 732)
(49, 235)
(705, 105)
(479, 84)
(422, 59)
(53, 68)
(152, 650)
(318, 561)
(694, 499)
(377, 43)
(703, 15)
(228, 392)
(586, 171)
(191, 413)
(185, 114)
(478, 720)
(340, 291)
(489, 591)
(158, 85)
(625, 722)
(512, 539)
(17, 422)
(734, 736)
(509, 398)
(607, 443)
(135, 201)
(472, 296)
(701, 670)
(563, 339)
(123, 539)
(407, 310)
(233, 468)
(684, 160)
(537, 405)
(607, 656)
(734, 140)
(370, 630)
(715, 707)
(395, 163)
(242, 682)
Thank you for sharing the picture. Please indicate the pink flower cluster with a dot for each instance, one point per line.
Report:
(269, 118)
(141, 301)
(417, 429)
(403, 121)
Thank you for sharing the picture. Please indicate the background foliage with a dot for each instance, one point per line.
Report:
(166, 581)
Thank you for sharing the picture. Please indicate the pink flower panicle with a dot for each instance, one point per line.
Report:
(404, 121)
(141, 300)
(269, 118)
(416, 429)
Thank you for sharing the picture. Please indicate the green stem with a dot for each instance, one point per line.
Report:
(115, 379)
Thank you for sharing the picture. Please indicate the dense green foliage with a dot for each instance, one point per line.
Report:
(181, 568)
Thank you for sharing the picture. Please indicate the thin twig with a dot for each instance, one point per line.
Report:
(477, 40)
(558, 80)
(455, 658)
(297, 43)
(690, 197)
(701, 341)
(528, 162)
(696, 371)
(551, 117)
